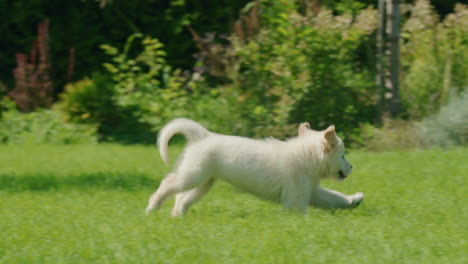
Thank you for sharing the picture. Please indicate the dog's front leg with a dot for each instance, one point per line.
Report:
(325, 198)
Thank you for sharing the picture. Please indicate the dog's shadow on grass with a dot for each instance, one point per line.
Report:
(101, 180)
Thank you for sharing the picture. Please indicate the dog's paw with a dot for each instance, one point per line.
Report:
(176, 212)
(148, 210)
(356, 199)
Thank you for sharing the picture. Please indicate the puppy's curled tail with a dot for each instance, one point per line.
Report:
(192, 130)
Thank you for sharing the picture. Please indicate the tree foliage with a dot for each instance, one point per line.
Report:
(84, 25)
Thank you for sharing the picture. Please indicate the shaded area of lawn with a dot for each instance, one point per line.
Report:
(102, 180)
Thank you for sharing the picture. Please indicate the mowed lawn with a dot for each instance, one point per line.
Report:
(85, 204)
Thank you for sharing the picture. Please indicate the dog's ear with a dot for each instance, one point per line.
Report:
(330, 135)
(303, 127)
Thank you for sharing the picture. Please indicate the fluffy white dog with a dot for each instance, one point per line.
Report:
(285, 171)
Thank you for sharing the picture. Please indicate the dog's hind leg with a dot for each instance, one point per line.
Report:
(296, 196)
(167, 187)
(299, 204)
(185, 199)
(185, 178)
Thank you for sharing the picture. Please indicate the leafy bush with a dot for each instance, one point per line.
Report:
(297, 67)
(146, 84)
(433, 56)
(88, 100)
(42, 126)
(218, 111)
(449, 127)
(140, 94)
(446, 128)
(91, 101)
(394, 134)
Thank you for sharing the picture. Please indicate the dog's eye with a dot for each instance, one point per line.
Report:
(342, 156)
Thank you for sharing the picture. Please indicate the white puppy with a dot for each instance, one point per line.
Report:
(285, 171)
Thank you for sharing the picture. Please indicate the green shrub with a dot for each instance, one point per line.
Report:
(92, 101)
(88, 100)
(153, 93)
(42, 126)
(298, 67)
(218, 111)
(434, 58)
(131, 103)
(394, 134)
(449, 127)
(146, 85)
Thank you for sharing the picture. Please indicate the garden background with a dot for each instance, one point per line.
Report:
(86, 85)
(118, 70)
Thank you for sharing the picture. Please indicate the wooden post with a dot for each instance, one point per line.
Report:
(395, 59)
(379, 67)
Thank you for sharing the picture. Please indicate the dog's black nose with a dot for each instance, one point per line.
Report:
(351, 166)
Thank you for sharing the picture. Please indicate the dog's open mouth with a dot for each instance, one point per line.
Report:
(342, 175)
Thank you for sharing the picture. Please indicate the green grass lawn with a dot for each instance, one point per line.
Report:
(85, 204)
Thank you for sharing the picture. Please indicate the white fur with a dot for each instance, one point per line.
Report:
(285, 171)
